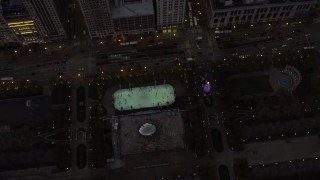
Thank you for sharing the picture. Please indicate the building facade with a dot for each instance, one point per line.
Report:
(170, 14)
(47, 20)
(231, 12)
(25, 30)
(97, 17)
(7, 36)
(134, 25)
(17, 28)
(20, 22)
(132, 17)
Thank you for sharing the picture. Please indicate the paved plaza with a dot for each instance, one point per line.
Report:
(168, 136)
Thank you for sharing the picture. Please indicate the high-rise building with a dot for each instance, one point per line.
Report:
(45, 14)
(170, 14)
(7, 36)
(133, 17)
(231, 12)
(97, 17)
(19, 21)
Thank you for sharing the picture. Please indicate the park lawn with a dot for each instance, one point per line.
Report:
(250, 85)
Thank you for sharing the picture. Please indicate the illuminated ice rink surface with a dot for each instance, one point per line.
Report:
(143, 97)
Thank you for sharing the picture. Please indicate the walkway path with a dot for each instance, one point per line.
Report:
(282, 150)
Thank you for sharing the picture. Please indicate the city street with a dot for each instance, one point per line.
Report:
(199, 45)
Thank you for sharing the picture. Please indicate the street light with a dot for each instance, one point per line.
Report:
(45, 48)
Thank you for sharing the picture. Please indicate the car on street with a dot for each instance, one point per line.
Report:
(217, 140)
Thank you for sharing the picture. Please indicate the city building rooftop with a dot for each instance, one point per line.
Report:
(133, 9)
(233, 3)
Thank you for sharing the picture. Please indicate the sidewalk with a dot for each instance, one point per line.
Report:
(282, 150)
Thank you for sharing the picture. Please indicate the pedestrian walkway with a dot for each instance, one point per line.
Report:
(282, 150)
(47, 89)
